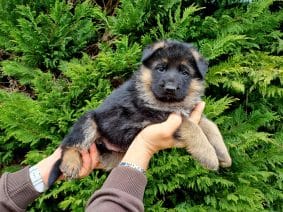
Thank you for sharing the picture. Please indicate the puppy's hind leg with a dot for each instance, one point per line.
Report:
(215, 139)
(191, 136)
(82, 135)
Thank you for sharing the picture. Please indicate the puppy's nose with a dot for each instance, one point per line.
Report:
(170, 88)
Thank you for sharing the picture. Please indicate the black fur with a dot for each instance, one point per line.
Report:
(55, 173)
(120, 118)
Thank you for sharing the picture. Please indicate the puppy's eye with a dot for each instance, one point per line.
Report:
(185, 73)
(161, 68)
(184, 70)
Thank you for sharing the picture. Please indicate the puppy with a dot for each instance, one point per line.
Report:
(170, 79)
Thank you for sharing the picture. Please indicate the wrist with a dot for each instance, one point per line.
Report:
(138, 154)
(133, 166)
(144, 146)
(45, 165)
(44, 169)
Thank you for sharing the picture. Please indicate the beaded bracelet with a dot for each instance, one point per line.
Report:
(134, 166)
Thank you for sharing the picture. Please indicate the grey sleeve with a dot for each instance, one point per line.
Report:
(16, 191)
(122, 191)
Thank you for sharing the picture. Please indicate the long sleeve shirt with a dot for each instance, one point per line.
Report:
(123, 190)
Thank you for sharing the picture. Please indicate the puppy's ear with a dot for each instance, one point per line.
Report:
(150, 50)
(201, 63)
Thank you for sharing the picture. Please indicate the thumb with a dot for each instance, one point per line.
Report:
(196, 114)
(172, 123)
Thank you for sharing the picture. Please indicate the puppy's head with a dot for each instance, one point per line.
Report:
(173, 66)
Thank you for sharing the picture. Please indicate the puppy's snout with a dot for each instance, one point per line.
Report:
(170, 88)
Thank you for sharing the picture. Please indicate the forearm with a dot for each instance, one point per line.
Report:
(16, 191)
(45, 166)
(124, 188)
(122, 191)
(138, 154)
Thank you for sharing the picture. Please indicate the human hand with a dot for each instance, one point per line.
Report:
(160, 136)
(157, 137)
(90, 160)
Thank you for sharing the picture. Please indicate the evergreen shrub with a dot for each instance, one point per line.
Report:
(62, 58)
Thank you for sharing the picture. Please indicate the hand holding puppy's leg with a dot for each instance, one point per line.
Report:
(83, 134)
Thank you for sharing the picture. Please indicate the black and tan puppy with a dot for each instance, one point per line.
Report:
(170, 79)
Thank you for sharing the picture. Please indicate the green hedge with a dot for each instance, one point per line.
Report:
(62, 58)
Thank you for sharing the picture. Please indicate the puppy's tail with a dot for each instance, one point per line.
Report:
(54, 173)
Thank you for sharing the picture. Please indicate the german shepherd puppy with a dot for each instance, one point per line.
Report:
(170, 79)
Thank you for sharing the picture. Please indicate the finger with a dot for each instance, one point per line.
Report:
(94, 155)
(195, 115)
(58, 150)
(57, 153)
(87, 163)
(172, 123)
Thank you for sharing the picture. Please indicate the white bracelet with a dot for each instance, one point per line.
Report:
(36, 179)
(134, 166)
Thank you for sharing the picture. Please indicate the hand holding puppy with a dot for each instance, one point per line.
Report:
(158, 137)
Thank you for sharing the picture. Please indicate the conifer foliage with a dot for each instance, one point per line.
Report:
(62, 58)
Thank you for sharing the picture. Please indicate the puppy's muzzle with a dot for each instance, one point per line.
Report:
(170, 89)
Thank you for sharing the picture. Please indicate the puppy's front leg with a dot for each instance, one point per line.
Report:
(193, 139)
(215, 139)
(82, 135)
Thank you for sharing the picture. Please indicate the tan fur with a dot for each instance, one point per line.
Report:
(90, 133)
(195, 54)
(164, 60)
(191, 69)
(111, 160)
(158, 45)
(205, 143)
(144, 86)
(71, 163)
(194, 93)
(215, 139)
(194, 140)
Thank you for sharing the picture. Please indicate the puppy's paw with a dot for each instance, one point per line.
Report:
(221, 151)
(224, 159)
(71, 163)
(206, 157)
(210, 163)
